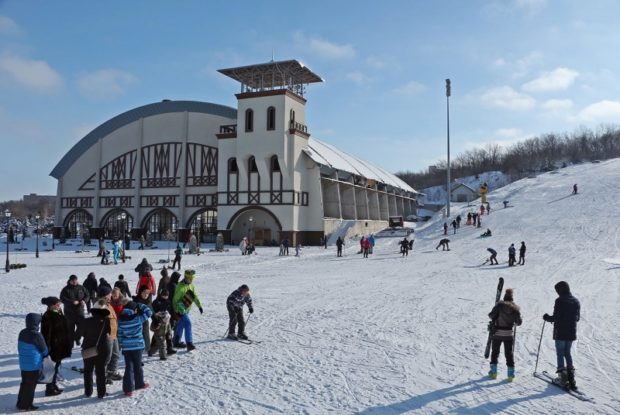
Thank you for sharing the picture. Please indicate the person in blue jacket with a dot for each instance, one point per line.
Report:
(32, 350)
(132, 343)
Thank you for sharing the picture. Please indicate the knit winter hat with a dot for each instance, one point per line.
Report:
(508, 296)
(190, 273)
(50, 301)
(103, 291)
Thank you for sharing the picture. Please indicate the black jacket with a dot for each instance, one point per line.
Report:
(123, 286)
(57, 335)
(91, 284)
(159, 305)
(72, 293)
(566, 314)
(236, 300)
(522, 250)
(95, 328)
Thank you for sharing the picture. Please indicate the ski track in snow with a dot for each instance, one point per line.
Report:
(386, 335)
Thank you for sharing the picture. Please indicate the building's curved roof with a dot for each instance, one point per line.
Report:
(328, 155)
(133, 115)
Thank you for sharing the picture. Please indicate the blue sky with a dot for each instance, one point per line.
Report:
(518, 68)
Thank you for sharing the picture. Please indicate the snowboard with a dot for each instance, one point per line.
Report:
(498, 294)
(547, 377)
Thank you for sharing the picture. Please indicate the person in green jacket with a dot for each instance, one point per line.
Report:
(184, 297)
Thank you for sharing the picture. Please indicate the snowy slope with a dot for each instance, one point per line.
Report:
(385, 335)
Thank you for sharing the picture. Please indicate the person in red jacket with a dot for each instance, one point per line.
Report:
(365, 247)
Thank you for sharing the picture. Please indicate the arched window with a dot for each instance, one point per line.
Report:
(249, 120)
(252, 168)
(232, 166)
(292, 115)
(271, 118)
(275, 165)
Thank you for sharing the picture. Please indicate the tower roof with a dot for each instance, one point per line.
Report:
(273, 75)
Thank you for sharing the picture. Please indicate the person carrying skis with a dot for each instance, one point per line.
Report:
(566, 314)
(444, 244)
(512, 255)
(404, 247)
(505, 316)
(32, 350)
(58, 338)
(177, 257)
(74, 297)
(234, 304)
(184, 297)
(122, 285)
(445, 228)
(522, 253)
(493, 257)
(339, 245)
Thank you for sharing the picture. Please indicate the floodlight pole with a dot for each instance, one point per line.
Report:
(448, 187)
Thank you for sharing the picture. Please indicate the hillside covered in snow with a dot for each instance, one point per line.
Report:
(384, 335)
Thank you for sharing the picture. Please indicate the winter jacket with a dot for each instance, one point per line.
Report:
(143, 267)
(512, 251)
(148, 280)
(492, 251)
(178, 253)
(339, 242)
(522, 250)
(180, 306)
(130, 327)
(371, 241)
(113, 321)
(123, 286)
(172, 285)
(91, 284)
(236, 300)
(160, 305)
(72, 293)
(505, 315)
(163, 284)
(104, 283)
(31, 345)
(57, 335)
(95, 330)
(566, 314)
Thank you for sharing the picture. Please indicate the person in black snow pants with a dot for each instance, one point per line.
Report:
(234, 304)
(522, 254)
(566, 314)
(458, 221)
(445, 228)
(444, 244)
(74, 297)
(493, 258)
(512, 255)
(454, 225)
(505, 316)
(32, 350)
(177, 257)
(339, 245)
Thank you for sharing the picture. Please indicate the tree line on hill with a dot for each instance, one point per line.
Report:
(543, 153)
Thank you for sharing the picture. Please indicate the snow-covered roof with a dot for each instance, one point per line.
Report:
(328, 155)
(457, 185)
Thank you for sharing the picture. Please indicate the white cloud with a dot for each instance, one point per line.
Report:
(530, 5)
(358, 77)
(376, 62)
(559, 79)
(33, 74)
(605, 110)
(324, 48)
(8, 26)
(556, 105)
(507, 132)
(518, 68)
(507, 98)
(105, 83)
(411, 88)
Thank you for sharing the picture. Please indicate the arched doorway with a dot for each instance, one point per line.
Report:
(203, 224)
(257, 224)
(78, 223)
(114, 225)
(161, 224)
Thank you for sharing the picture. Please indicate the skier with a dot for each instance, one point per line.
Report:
(234, 304)
(132, 344)
(454, 225)
(458, 221)
(444, 244)
(512, 255)
(575, 189)
(493, 257)
(74, 297)
(91, 284)
(339, 245)
(31, 349)
(445, 228)
(177, 257)
(58, 338)
(522, 253)
(404, 247)
(566, 314)
(505, 316)
(122, 285)
(95, 331)
(184, 297)
(486, 234)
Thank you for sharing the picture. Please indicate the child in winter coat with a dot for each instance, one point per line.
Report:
(161, 326)
(234, 303)
(132, 344)
(58, 338)
(505, 316)
(32, 350)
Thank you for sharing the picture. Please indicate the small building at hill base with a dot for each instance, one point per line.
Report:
(176, 168)
(462, 193)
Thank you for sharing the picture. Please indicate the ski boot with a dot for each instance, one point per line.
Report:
(493, 372)
(511, 374)
(242, 336)
(562, 379)
(570, 374)
(231, 336)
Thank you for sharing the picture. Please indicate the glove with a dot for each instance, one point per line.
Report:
(546, 317)
(200, 309)
(251, 309)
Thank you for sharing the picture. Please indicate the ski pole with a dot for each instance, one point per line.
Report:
(539, 343)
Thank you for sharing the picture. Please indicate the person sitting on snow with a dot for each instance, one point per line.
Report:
(486, 234)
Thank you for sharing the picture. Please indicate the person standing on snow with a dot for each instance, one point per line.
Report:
(505, 316)
(404, 247)
(146, 279)
(566, 314)
(575, 189)
(115, 252)
(522, 253)
(122, 285)
(468, 218)
(96, 331)
(184, 297)
(371, 241)
(32, 350)
(445, 228)
(114, 352)
(482, 210)
(339, 245)
(234, 304)
(512, 255)
(178, 253)
(493, 257)
(132, 344)
(365, 247)
(454, 225)
(58, 338)
(458, 222)
(91, 285)
(74, 298)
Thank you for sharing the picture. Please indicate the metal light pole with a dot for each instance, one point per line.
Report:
(7, 215)
(448, 187)
(251, 227)
(123, 217)
(198, 231)
(37, 218)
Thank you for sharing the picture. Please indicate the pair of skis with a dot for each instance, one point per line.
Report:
(547, 377)
(498, 295)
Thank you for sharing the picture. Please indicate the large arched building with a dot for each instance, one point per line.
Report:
(205, 168)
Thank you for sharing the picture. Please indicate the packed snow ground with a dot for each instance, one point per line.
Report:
(386, 335)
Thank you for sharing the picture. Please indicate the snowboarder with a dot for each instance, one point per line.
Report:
(132, 343)
(404, 247)
(505, 316)
(234, 303)
(445, 228)
(58, 338)
(91, 284)
(458, 221)
(522, 253)
(512, 255)
(184, 297)
(339, 245)
(444, 244)
(493, 257)
(122, 285)
(177, 257)
(95, 331)
(74, 298)
(566, 314)
(454, 225)
(486, 234)
(31, 349)
(575, 189)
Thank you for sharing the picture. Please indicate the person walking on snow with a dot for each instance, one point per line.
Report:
(132, 343)
(339, 245)
(505, 316)
(493, 257)
(32, 350)
(234, 304)
(74, 298)
(404, 247)
(566, 314)
(184, 297)
(522, 253)
(512, 255)
(444, 244)
(575, 189)
(445, 228)
(58, 338)
(454, 225)
(458, 222)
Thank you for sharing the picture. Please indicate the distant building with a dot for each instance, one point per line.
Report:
(463, 193)
(34, 198)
